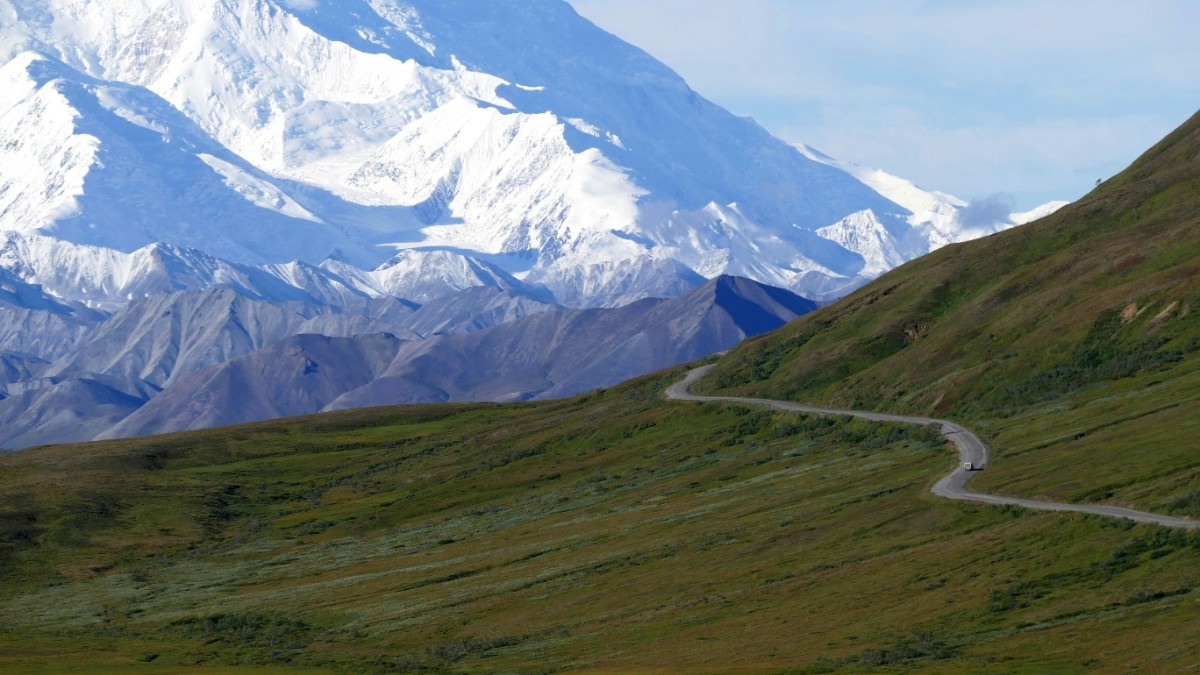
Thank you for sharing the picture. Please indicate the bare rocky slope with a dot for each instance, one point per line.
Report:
(544, 355)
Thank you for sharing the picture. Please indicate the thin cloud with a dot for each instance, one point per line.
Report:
(969, 98)
(985, 211)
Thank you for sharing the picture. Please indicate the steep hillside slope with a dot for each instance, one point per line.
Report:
(35, 323)
(1073, 343)
(55, 410)
(162, 337)
(474, 309)
(110, 164)
(296, 376)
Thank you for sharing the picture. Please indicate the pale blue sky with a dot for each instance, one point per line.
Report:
(1035, 99)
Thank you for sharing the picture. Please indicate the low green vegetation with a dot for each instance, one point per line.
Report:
(612, 532)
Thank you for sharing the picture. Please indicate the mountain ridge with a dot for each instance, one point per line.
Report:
(546, 354)
(357, 131)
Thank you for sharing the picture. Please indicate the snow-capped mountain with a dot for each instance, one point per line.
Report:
(421, 276)
(513, 134)
(934, 219)
(108, 279)
(376, 201)
(112, 165)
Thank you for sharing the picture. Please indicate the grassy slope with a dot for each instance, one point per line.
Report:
(1072, 344)
(611, 532)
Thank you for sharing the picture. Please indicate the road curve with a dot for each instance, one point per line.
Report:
(952, 485)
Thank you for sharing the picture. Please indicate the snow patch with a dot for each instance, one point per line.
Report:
(256, 190)
(1038, 212)
(935, 217)
(584, 127)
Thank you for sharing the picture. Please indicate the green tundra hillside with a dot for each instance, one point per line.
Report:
(623, 532)
(612, 533)
(1070, 344)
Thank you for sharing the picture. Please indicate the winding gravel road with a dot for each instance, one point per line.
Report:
(952, 485)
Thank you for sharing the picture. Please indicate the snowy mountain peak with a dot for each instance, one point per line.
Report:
(1038, 212)
(421, 276)
(269, 131)
(935, 219)
(883, 242)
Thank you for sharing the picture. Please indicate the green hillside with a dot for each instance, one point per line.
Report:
(1070, 344)
(608, 533)
(621, 532)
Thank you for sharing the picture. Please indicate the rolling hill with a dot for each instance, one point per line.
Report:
(1071, 343)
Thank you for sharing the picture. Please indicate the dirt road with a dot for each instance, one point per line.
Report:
(953, 484)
